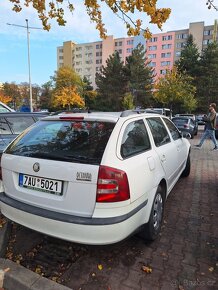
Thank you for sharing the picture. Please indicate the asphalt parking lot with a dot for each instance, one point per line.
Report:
(184, 256)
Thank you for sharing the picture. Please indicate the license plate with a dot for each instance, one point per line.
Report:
(41, 184)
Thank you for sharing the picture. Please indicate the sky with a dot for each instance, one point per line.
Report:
(43, 45)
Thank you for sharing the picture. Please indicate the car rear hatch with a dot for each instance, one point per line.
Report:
(54, 165)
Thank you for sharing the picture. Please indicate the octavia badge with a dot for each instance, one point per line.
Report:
(36, 167)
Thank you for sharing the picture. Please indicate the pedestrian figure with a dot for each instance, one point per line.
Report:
(210, 126)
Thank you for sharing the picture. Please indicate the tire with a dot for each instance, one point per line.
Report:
(187, 169)
(152, 229)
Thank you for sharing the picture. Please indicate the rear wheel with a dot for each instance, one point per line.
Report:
(187, 169)
(153, 227)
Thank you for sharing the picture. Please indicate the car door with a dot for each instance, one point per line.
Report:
(179, 142)
(166, 149)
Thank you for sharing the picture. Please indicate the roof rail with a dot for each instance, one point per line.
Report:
(132, 112)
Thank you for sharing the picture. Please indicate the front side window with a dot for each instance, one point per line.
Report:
(159, 132)
(65, 140)
(173, 130)
(135, 139)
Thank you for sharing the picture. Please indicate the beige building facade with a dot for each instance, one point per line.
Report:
(87, 58)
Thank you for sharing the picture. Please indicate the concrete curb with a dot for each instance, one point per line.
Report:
(18, 277)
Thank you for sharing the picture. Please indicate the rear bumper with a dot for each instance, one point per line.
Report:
(74, 228)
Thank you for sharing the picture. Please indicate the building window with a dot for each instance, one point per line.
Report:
(182, 36)
(78, 48)
(167, 54)
(98, 53)
(166, 46)
(88, 47)
(152, 55)
(163, 71)
(153, 39)
(208, 32)
(97, 68)
(207, 41)
(178, 53)
(167, 37)
(118, 43)
(180, 44)
(89, 61)
(89, 54)
(78, 55)
(119, 51)
(165, 63)
(152, 64)
(98, 46)
(153, 47)
(78, 63)
(129, 50)
(98, 61)
(61, 57)
(61, 50)
(130, 42)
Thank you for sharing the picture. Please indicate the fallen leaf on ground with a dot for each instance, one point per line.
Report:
(211, 269)
(100, 267)
(146, 269)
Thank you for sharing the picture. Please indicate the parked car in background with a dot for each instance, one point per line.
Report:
(4, 108)
(94, 178)
(11, 125)
(193, 117)
(200, 119)
(185, 124)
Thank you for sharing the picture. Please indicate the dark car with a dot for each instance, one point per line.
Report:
(13, 123)
(185, 125)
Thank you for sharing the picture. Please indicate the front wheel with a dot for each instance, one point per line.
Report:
(153, 227)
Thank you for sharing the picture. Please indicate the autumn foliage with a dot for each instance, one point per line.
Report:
(124, 9)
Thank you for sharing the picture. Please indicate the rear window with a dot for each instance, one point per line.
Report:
(20, 123)
(76, 141)
(180, 122)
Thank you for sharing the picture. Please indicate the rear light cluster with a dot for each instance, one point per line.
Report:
(112, 185)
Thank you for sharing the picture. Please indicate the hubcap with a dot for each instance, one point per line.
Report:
(158, 210)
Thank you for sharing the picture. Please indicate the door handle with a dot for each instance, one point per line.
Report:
(163, 158)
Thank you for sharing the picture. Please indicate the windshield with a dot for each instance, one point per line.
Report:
(76, 141)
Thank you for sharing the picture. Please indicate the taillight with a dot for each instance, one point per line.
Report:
(112, 185)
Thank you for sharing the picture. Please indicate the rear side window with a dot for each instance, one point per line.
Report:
(135, 139)
(76, 141)
(158, 131)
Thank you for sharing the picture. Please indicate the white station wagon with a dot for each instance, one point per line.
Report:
(93, 178)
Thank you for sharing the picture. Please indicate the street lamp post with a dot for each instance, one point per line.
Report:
(30, 84)
(28, 47)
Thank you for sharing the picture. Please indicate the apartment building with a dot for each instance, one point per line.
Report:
(162, 50)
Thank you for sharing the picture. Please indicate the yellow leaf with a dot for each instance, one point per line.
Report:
(100, 267)
(146, 269)
(211, 269)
